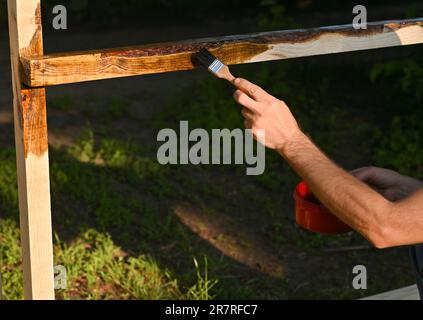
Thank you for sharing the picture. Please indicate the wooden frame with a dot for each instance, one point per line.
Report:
(63, 68)
(29, 107)
(32, 71)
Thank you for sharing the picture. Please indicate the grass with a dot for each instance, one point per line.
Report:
(201, 290)
(62, 102)
(10, 259)
(402, 147)
(96, 267)
(117, 108)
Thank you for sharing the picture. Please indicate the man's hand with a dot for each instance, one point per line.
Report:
(383, 222)
(392, 185)
(263, 111)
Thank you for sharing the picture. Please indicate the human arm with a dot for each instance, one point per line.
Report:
(381, 221)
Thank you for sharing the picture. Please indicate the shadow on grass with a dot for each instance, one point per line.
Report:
(143, 206)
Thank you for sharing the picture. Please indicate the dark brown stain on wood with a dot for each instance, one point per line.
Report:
(395, 25)
(183, 47)
(175, 56)
(255, 40)
(32, 106)
(34, 121)
(163, 61)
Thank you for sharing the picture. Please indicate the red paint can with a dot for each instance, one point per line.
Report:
(312, 215)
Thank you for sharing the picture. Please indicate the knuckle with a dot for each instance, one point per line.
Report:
(253, 89)
(241, 83)
(239, 97)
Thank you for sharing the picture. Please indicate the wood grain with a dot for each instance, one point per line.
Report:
(406, 293)
(30, 120)
(63, 68)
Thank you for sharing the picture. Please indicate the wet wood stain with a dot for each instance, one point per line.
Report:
(175, 56)
(34, 121)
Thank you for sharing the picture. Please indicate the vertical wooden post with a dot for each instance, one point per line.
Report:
(29, 105)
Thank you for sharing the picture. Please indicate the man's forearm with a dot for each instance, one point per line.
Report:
(383, 222)
(350, 199)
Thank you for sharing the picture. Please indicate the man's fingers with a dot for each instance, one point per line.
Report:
(363, 174)
(254, 91)
(245, 100)
(247, 114)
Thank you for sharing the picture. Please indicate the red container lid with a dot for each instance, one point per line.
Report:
(313, 216)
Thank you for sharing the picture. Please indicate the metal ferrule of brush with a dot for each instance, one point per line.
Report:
(216, 66)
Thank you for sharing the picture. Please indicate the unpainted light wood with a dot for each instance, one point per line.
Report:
(29, 106)
(406, 293)
(62, 68)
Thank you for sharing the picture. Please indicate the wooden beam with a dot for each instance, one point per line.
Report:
(29, 106)
(61, 68)
(406, 293)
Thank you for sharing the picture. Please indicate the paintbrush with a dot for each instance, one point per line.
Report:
(207, 60)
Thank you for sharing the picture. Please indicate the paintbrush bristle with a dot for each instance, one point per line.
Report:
(203, 58)
(207, 60)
